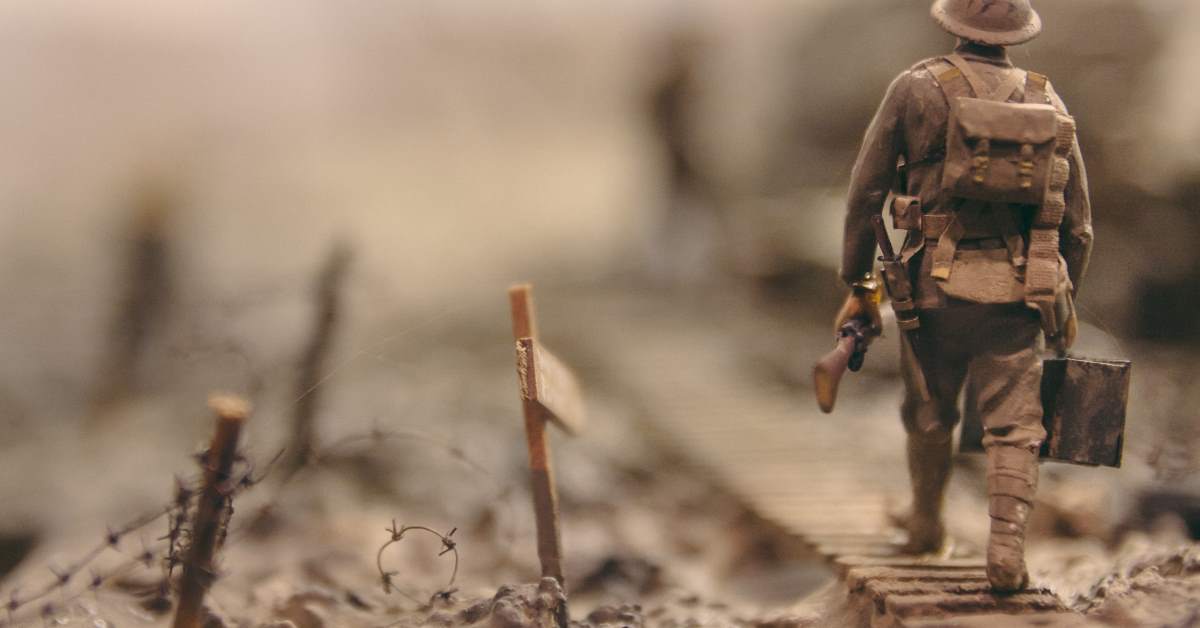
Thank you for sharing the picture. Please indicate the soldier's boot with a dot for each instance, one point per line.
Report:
(929, 470)
(1012, 482)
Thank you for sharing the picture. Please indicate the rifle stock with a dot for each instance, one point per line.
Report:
(847, 355)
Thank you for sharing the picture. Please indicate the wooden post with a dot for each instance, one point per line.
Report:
(545, 496)
(143, 305)
(199, 570)
(328, 296)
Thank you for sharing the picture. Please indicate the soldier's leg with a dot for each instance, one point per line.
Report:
(929, 425)
(1005, 388)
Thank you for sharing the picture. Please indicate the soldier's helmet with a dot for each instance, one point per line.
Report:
(994, 22)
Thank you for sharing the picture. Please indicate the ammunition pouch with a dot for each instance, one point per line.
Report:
(906, 213)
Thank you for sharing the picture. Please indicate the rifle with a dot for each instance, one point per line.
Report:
(899, 288)
(849, 354)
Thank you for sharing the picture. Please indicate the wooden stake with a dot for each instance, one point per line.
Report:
(328, 297)
(199, 570)
(545, 495)
(142, 309)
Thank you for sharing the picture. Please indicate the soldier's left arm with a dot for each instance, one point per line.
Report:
(1075, 235)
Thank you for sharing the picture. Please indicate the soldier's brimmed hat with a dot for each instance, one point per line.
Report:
(993, 22)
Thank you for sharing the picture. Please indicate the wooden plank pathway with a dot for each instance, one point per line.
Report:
(818, 478)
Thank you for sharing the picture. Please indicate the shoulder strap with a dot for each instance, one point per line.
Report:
(1009, 85)
(950, 79)
(1042, 271)
(976, 82)
(958, 66)
(1036, 90)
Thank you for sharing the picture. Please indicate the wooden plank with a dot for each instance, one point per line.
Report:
(547, 382)
(844, 564)
(866, 550)
(942, 604)
(883, 589)
(859, 577)
(993, 620)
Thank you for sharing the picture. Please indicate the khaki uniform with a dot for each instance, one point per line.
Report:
(975, 328)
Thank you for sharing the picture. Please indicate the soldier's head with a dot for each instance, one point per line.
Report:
(989, 22)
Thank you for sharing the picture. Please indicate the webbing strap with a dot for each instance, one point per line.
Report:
(952, 80)
(1008, 86)
(1042, 274)
(959, 80)
(973, 78)
(1001, 93)
(1005, 220)
(1035, 88)
(947, 246)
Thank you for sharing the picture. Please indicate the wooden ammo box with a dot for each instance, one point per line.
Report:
(1084, 403)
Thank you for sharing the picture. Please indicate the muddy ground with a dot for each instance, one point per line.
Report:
(423, 429)
(176, 174)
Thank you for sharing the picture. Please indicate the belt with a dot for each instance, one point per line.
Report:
(934, 225)
(984, 229)
(995, 242)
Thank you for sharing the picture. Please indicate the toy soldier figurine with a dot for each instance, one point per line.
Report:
(977, 162)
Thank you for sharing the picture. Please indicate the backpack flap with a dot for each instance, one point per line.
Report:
(998, 151)
(1017, 123)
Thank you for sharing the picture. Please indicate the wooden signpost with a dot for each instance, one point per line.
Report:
(549, 393)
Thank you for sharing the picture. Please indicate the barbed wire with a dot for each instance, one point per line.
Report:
(169, 549)
(449, 545)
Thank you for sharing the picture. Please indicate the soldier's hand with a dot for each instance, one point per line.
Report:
(862, 306)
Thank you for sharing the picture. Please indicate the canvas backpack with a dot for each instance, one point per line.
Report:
(998, 151)
(1002, 154)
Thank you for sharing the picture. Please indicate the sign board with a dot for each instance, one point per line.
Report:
(546, 381)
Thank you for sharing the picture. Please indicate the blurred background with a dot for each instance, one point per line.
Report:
(174, 177)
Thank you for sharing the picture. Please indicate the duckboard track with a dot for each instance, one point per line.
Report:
(816, 477)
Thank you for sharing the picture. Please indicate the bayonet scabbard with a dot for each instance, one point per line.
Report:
(900, 291)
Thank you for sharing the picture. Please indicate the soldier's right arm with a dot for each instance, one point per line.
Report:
(872, 178)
